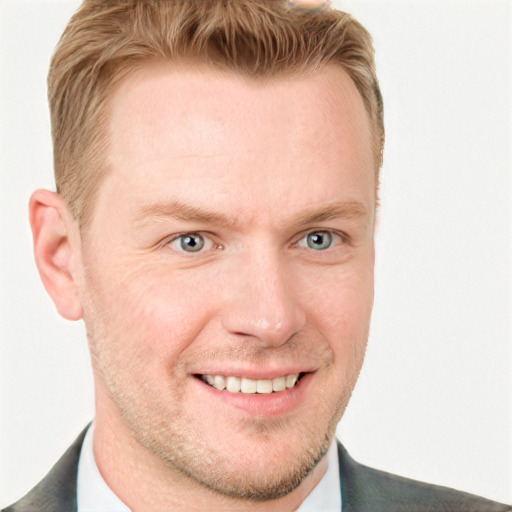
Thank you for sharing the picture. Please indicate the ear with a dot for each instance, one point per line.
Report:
(56, 249)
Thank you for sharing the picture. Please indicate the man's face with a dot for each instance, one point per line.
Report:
(231, 243)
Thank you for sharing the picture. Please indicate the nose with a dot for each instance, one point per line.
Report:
(261, 301)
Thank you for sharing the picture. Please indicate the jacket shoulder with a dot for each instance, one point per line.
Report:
(57, 491)
(367, 489)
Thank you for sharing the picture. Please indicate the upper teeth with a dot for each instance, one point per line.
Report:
(251, 386)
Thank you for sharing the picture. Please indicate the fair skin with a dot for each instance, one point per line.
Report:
(232, 236)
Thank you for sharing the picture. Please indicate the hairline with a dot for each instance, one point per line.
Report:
(200, 63)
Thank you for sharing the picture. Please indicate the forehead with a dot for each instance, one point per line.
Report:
(203, 102)
(194, 129)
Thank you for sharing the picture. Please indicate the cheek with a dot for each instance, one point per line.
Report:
(341, 309)
(150, 313)
(341, 298)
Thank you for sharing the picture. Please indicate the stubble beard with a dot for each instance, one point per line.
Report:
(166, 433)
(183, 451)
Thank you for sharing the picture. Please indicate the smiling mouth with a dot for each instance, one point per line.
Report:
(248, 386)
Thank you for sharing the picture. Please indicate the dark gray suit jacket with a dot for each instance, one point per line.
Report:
(363, 490)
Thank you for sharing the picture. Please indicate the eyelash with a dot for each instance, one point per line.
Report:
(181, 236)
(336, 236)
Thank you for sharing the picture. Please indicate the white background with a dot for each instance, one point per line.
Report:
(434, 400)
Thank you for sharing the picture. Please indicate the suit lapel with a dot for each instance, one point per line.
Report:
(355, 490)
(57, 490)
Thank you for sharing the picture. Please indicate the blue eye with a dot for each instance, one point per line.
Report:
(190, 242)
(319, 240)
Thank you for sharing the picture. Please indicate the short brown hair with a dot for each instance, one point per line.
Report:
(107, 39)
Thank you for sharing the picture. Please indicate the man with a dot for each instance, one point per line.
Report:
(217, 167)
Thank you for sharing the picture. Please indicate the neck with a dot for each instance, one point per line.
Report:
(144, 483)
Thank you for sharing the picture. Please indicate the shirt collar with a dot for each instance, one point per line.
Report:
(326, 496)
(94, 495)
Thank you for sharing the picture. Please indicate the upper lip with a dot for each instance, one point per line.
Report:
(254, 373)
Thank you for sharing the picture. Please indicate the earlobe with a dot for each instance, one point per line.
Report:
(56, 240)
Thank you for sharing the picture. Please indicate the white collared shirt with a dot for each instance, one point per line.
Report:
(94, 495)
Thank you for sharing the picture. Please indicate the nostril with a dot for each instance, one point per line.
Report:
(264, 307)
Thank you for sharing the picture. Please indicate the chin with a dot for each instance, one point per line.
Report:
(257, 477)
(260, 460)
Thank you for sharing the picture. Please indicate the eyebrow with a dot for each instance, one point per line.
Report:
(181, 211)
(343, 210)
(187, 213)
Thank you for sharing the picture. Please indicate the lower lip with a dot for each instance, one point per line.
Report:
(266, 405)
